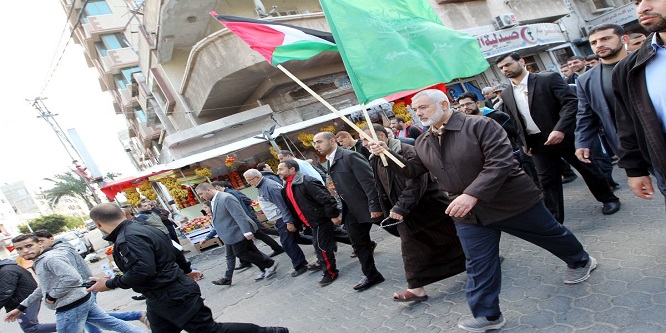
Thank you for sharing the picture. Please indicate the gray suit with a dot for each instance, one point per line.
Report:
(229, 219)
(592, 109)
(231, 223)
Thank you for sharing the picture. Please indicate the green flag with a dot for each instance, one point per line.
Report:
(397, 45)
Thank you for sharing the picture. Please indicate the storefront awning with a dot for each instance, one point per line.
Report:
(226, 149)
(110, 189)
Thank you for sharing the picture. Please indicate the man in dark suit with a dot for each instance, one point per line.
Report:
(353, 180)
(235, 228)
(545, 107)
(596, 102)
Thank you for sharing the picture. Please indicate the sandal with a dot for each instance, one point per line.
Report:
(408, 296)
(144, 319)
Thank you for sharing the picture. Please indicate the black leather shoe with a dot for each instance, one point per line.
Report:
(275, 330)
(366, 283)
(138, 297)
(242, 267)
(569, 179)
(222, 282)
(373, 246)
(275, 253)
(611, 208)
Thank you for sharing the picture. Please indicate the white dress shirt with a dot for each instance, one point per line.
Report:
(522, 101)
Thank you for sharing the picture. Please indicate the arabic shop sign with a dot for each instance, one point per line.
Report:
(518, 38)
(621, 15)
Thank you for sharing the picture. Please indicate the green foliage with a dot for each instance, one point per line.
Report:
(68, 185)
(24, 229)
(54, 223)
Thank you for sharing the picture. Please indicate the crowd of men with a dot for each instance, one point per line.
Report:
(477, 168)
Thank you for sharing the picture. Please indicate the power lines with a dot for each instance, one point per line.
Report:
(53, 68)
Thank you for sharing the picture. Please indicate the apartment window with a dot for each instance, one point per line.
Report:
(94, 8)
(125, 77)
(140, 115)
(110, 42)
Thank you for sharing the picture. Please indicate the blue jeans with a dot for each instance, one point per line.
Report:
(74, 320)
(289, 241)
(481, 246)
(30, 323)
(124, 316)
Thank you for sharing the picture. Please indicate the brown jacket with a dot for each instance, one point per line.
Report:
(475, 158)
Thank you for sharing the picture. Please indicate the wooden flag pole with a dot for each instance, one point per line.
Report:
(372, 131)
(345, 119)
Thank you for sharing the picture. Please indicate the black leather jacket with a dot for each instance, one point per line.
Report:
(16, 284)
(146, 257)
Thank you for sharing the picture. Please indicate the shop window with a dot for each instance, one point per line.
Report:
(561, 55)
(531, 64)
(458, 87)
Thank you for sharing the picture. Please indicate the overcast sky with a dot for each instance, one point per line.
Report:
(30, 149)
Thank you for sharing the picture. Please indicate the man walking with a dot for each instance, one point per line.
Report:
(596, 102)
(246, 204)
(346, 140)
(404, 130)
(153, 267)
(640, 112)
(306, 167)
(270, 192)
(235, 228)
(545, 108)
(17, 284)
(431, 250)
(352, 177)
(490, 195)
(316, 208)
(61, 286)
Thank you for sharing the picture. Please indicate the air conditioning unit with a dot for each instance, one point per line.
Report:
(506, 21)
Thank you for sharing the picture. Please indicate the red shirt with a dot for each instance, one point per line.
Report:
(290, 196)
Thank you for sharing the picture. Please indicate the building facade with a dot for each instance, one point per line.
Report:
(187, 85)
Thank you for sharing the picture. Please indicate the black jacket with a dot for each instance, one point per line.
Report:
(272, 176)
(411, 131)
(553, 105)
(16, 284)
(146, 257)
(642, 139)
(316, 203)
(418, 200)
(358, 147)
(352, 176)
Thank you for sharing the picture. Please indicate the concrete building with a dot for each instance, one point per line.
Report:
(187, 85)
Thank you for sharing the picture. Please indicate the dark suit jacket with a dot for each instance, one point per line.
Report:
(593, 109)
(352, 176)
(553, 105)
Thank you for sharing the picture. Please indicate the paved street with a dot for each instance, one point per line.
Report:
(626, 293)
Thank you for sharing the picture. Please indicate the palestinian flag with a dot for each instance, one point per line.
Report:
(278, 42)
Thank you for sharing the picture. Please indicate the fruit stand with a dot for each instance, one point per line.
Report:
(196, 230)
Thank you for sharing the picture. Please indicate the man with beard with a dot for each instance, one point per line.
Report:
(640, 113)
(352, 177)
(469, 104)
(404, 130)
(431, 250)
(578, 68)
(596, 102)
(635, 41)
(471, 159)
(545, 108)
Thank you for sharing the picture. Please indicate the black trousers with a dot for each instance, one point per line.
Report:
(359, 233)
(180, 307)
(323, 241)
(246, 251)
(547, 162)
(268, 240)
